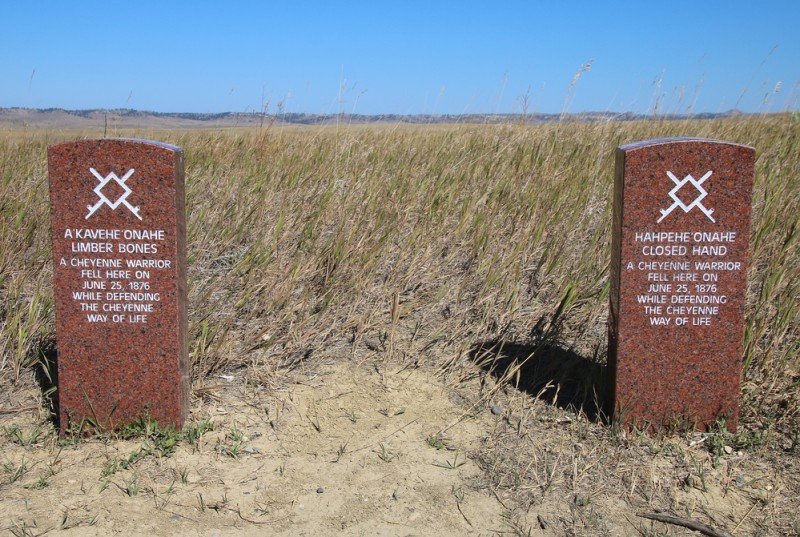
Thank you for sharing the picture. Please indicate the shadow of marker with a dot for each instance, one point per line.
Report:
(552, 373)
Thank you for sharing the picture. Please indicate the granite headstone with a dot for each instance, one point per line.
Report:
(681, 232)
(119, 259)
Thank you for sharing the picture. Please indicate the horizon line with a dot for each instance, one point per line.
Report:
(731, 111)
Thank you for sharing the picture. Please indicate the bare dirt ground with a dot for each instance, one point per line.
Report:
(368, 448)
(344, 452)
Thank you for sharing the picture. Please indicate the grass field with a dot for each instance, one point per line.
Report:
(453, 249)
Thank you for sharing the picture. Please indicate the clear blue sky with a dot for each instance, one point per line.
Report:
(403, 57)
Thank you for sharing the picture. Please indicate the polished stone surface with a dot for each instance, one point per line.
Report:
(681, 232)
(119, 258)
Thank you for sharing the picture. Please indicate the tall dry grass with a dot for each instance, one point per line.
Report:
(417, 242)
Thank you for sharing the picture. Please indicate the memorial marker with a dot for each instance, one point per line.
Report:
(119, 259)
(678, 281)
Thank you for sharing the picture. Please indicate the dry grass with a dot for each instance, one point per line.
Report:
(440, 247)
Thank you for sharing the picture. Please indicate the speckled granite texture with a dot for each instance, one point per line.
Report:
(681, 232)
(119, 250)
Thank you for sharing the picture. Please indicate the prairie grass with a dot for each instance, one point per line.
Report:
(421, 243)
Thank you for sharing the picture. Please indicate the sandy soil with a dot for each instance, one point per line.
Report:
(343, 453)
(352, 449)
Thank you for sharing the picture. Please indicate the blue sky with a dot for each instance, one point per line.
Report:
(405, 57)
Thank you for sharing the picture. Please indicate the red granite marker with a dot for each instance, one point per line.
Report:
(119, 259)
(678, 273)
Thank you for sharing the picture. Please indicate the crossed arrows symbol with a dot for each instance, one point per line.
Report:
(696, 203)
(104, 200)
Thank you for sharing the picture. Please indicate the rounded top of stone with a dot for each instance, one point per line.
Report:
(155, 143)
(679, 139)
(150, 142)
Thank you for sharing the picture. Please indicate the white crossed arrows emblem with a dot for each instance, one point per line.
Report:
(697, 183)
(122, 200)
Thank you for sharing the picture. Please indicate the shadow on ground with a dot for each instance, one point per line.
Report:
(46, 372)
(554, 374)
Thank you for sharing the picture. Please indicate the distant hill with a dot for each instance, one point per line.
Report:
(127, 118)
